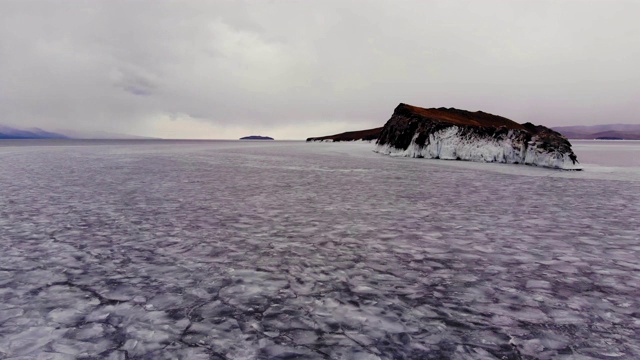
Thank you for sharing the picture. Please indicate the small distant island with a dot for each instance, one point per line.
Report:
(256, 137)
(608, 138)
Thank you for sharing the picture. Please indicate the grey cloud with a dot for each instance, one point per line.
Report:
(134, 82)
(122, 65)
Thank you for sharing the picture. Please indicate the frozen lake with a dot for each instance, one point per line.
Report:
(289, 250)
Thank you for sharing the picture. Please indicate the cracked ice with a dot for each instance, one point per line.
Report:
(229, 250)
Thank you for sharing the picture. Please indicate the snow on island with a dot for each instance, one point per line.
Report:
(474, 136)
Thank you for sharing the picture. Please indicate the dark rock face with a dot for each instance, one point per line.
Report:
(256, 137)
(475, 136)
(366, 135)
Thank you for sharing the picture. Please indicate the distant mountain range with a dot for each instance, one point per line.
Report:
(33, 133)
(601, 132)
(7, 132)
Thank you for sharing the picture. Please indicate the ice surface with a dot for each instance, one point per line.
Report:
(236, 250)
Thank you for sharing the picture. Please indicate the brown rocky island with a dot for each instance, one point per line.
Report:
(366, 135)
(453, 134)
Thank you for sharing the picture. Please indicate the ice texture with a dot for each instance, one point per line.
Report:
(453, 143)
(285, 250)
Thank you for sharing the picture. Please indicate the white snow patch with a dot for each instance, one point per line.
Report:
(449, 144)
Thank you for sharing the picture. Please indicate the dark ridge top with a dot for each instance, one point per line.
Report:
(456, 116)
(370, 134)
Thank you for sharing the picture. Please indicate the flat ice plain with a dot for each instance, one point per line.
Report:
(289, 250)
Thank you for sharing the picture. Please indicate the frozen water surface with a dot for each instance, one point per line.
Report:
(286, 250)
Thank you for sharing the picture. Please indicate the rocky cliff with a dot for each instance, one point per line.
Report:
(474, 136)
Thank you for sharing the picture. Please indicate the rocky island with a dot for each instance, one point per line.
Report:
(364, 135)
(448, 133)
(256, 137)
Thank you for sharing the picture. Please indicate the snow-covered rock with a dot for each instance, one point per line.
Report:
(454, 134)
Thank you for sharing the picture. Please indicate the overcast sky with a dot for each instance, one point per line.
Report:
(294, 69)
